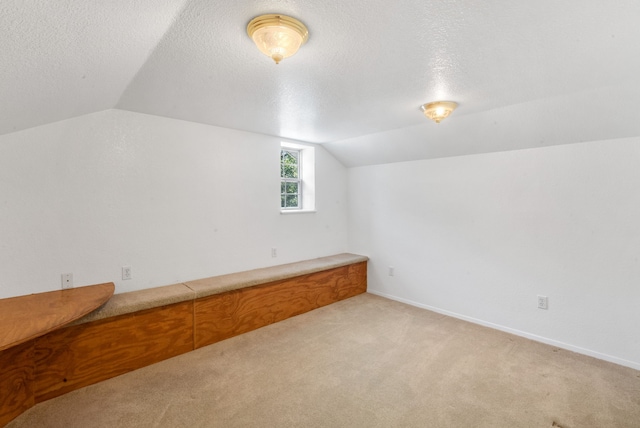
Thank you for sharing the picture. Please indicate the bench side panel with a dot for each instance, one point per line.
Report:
(229, 314)
(16, 381)
(81, 355)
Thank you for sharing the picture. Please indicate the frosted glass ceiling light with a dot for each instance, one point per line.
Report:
(277, 36)
(438, 110)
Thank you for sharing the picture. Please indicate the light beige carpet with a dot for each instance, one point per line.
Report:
(362, 362)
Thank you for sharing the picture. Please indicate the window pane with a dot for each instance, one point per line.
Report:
(283, 186)
(281, 201)
(289, 165)
(292, 201)
(291, 155)
(292, 188)
(289, 171)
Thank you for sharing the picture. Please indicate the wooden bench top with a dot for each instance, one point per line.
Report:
(134, 301)
(24, 318)
(234, 281)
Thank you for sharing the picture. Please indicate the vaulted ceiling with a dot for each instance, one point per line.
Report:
(526, 74)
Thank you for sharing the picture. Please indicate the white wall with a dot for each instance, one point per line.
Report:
(479, 237)
(174, 200)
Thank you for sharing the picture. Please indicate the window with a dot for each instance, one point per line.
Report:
(297, 178)
(290, 179)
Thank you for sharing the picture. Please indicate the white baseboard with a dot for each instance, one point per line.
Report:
(577, 349)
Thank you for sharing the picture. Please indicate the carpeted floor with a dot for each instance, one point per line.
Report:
(363, 362)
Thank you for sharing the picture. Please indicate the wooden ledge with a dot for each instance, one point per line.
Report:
(134, 301)
(235, 281)
(24, 318)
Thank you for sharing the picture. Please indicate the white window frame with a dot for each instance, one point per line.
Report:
(298, 180)
(307, 177)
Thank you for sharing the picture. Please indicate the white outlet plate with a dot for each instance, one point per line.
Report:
(67, 280)
(274, 252)
(543, 302)
(392, 270)
(126, 272)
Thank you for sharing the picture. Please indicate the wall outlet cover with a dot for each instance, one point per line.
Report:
(543, 302)
(67, 280)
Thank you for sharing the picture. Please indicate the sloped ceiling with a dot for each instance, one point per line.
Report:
(526, 74)
(65, 58)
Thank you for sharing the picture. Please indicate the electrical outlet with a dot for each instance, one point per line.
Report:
(543, 302)
(67, 280)
(126, 272)
(274, 252)
(392, 270)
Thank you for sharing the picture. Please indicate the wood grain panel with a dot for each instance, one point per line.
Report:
(80, 355)
(24, 318)
(16, 381)
(225, 315)
(355, 281)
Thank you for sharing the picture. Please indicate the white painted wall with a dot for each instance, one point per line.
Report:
(479, 237)
(174, 200)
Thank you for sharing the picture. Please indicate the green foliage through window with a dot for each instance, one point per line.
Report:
(290, 184)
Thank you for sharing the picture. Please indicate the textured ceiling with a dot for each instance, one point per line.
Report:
(526, 74)
(64, 58)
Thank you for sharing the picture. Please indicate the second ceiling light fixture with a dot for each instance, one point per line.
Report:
(438, 110)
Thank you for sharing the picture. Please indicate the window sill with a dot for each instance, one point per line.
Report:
(297, 211)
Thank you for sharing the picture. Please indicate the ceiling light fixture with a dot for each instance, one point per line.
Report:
(277, 36)
(438, 110)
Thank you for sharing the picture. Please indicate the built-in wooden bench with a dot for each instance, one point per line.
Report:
(135, 329)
